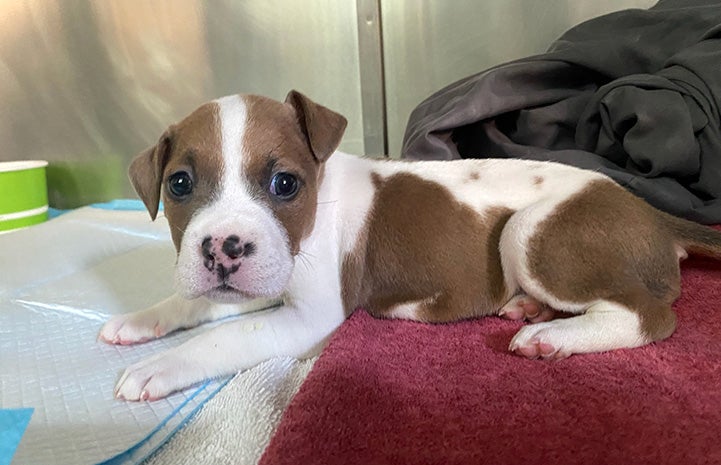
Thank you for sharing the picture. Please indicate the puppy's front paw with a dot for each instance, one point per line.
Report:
(150, 379)
(132, 328)
(540, 340)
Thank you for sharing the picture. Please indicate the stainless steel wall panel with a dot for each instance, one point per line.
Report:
(370, 50)
(269, 47)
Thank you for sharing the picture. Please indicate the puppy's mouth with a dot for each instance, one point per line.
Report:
(226, 293)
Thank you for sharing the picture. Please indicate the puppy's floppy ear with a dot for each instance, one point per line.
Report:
(146, 173)
(322, 127)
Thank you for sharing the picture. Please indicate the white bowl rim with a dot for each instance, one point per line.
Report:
(6, 166)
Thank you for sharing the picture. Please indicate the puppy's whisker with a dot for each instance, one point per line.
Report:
(305, 258)
(306, 254)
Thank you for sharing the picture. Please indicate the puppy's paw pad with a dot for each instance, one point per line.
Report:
(536, 349)
(525, 307)
(519, 307)
(537, 342)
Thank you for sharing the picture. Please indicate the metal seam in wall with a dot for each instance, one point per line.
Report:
(372, 79)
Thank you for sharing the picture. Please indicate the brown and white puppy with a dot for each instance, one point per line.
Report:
(265, 213)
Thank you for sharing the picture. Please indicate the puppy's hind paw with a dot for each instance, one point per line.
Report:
(536, 341)
(525, 307)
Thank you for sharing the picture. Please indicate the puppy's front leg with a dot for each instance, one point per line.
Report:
(224, 350)
(170, 315)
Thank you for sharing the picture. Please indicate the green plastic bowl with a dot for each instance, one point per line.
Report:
(23, 194)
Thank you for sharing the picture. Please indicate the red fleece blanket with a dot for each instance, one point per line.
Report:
(391, 392)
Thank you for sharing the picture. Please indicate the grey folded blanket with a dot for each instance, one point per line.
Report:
(633, 94)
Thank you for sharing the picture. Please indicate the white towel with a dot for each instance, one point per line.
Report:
(236, 425)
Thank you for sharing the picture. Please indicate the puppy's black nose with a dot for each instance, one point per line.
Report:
(232, 247)
(208, 254)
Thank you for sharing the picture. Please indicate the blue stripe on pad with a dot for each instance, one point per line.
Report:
(114, 205)
(13, 423)
(123, 205)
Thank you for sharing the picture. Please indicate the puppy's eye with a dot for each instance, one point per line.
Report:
(180, 184)
(283, 185)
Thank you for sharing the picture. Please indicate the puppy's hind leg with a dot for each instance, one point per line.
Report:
(606, 325)
(601, 256)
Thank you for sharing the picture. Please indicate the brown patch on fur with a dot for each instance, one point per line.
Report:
(605, 243)
(273, 142)
(421, 244)
(537, 181)
(192, 145)
(296, 138)
(352, 270)
(322, 128)
(473, 176)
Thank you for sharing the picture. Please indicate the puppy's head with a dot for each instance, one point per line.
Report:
(239, 179)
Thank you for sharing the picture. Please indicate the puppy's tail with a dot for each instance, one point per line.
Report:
(692, 237)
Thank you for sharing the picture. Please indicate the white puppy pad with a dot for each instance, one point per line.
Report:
(59, 281)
